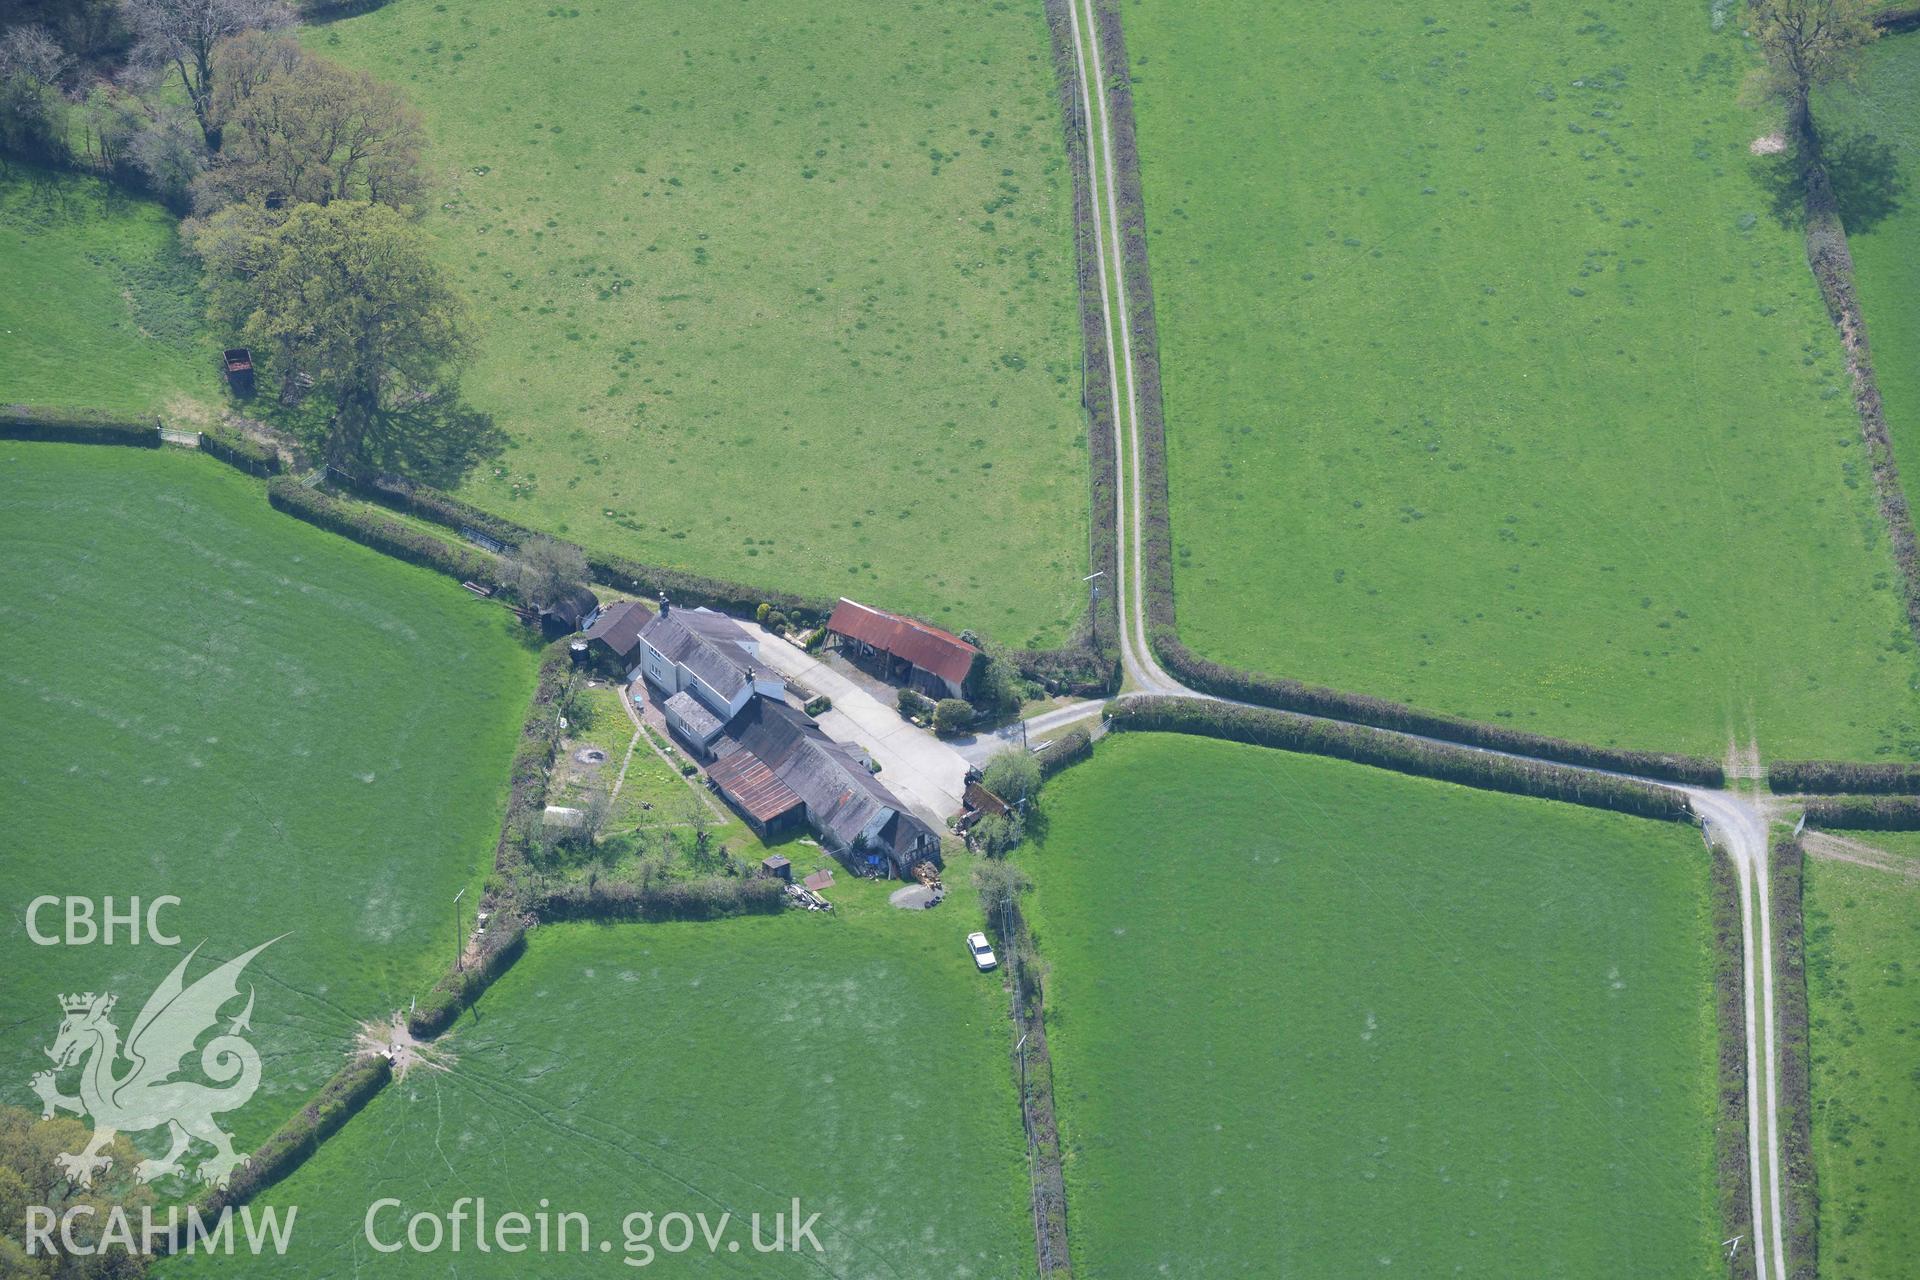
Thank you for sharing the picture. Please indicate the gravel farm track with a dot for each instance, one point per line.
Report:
(1737, 822)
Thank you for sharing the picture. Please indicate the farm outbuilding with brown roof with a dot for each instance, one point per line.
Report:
(902, 650)
(778, 769)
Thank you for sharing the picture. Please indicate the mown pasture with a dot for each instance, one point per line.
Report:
(1873, 127)
(1863, 929)
(857, 1063)
(1493, 383)
(779, 293)
(99, 308)
(1309, 1018)
(290, 733)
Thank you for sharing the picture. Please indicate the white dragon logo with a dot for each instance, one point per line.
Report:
(146, 1096)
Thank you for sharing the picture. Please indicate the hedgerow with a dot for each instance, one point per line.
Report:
(1877, 813)
(1088, 665)
(620, 572)
(1787, 864)
(239, 452)
(1070, 748)
(506, 896)
(1898, 18)
(339, 1100)
(1812, 777)
(1731, 1153)
(1293, 695)
(384, 535)
(77, 426)
(1831, 261)
(707, 898)
(496, 951)
(1269, 727)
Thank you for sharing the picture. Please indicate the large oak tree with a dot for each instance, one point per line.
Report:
(346, 294)
(1809, 43)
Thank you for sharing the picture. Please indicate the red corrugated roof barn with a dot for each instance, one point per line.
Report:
(902, 649)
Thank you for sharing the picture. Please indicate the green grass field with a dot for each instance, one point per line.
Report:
(856, 1062)
(99, 308)
(1875, 127)
(780, 294)
(1863, 929)
(1313, 1019)
(1493, 385)
(292, 734)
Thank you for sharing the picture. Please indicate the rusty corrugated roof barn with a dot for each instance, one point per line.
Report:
(918, 643)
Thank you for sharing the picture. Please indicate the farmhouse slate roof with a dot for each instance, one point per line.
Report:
(692, 713)
(619, 626)
(924, 645)
(709, 644)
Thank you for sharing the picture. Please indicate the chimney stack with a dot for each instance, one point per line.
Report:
(666, 606)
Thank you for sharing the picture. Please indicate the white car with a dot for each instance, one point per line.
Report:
(982, 953)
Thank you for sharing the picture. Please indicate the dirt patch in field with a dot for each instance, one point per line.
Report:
(392, 1041)
(1769, 144)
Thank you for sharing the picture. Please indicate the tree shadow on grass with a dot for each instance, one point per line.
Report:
(436, 441)
(1867, 181)
(1865, 173)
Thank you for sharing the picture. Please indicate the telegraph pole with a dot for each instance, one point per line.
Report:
(1093, 590)
(458, 949)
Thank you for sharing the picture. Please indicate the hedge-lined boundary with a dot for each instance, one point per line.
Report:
(1038, 1117)
(1787, 867)
(506, 935)
(1872, 813)
(1088, 664)
(338, 1101)
(1891, 22)
(77, 426)
(1817, 777)
(1070, 748)
(1449, 762)
(1832, 264)
(239, 452)
(1731, 1153)
(1156, 531)
(403, 542)
(496, 950)
(1379, 713)
(711, 898)
(616, 571)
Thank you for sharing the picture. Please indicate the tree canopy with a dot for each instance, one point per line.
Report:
(31, 1175)
(347, 294)
(181, 36)
(545, 570)
(1013, 775)
(1809, 43)
(1000, 884)
(296, 126)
